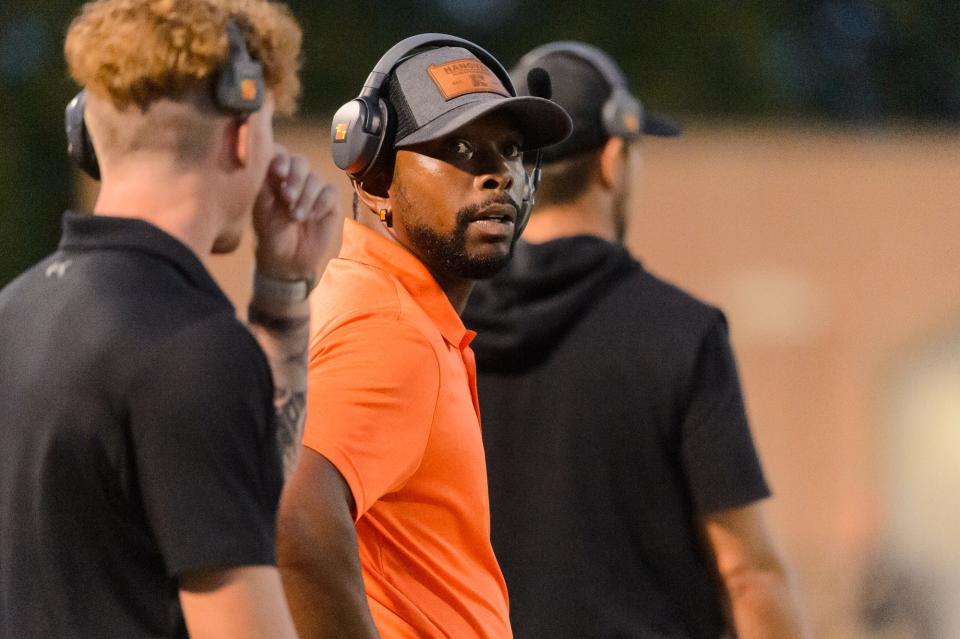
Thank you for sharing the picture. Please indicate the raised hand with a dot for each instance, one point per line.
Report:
(298, 231)
(297, 224)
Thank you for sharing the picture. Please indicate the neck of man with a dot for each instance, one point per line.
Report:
(592, 213)
(457, 290)
(182, 204)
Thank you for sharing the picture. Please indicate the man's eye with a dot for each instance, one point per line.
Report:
(464, 148)
(511, 151)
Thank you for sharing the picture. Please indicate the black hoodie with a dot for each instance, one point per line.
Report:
(544, 291)
(612, 416)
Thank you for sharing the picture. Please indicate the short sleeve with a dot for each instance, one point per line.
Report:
(372, 395)
(718, 453)
(207, 461)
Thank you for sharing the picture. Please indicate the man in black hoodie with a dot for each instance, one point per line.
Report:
(624, 482)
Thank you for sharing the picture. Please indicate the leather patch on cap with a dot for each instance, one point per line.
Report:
(468, 75)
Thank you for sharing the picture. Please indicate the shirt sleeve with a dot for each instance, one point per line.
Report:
(718, 454)
(372, 395)
(205, 453)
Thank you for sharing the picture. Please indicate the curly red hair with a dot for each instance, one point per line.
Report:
(138, 51)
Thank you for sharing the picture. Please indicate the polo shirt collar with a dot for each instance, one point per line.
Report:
(83, 231)
(363, 245)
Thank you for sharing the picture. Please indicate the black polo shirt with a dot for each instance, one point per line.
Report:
(136, 441)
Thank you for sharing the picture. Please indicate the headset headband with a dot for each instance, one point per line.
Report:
(602, 62)
(401, 50)
(621, 115)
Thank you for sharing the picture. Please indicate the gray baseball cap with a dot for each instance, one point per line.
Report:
(440, 90)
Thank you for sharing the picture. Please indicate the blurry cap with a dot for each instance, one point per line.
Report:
(584, 80)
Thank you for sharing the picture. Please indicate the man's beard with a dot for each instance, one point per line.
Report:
(448, 253)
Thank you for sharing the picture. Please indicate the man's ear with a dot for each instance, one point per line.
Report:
(240, 140)
(612, 164)
(369, 200)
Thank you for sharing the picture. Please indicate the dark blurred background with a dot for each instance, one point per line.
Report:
(846, 61)
(815, 197)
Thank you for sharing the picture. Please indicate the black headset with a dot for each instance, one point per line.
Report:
(363, 129)
(238, 88)
(622, 114)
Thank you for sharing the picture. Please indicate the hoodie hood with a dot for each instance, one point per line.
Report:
(520, 313)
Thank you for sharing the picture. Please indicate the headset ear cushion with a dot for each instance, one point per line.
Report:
(79, 146)
(379, 174)
(622, 115)
(361, 143)
(239, 87)
(353, 144)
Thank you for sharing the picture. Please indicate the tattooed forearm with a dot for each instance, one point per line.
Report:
(282, 327)
(285, 345)
(289, 417)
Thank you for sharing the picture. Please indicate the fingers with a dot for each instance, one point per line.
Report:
(279, 167)
(296, 189)
(326, 203)
(317, 200)
(266, 199)
(285, 177)
(295, 184)
(308, 196)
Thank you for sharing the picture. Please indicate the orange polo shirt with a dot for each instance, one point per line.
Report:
(393, 405)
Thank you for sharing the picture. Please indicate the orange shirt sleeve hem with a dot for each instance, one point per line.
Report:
(347, 470)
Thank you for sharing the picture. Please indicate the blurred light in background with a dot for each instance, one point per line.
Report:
(922, 475)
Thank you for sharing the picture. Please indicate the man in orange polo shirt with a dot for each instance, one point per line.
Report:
(384, 527)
